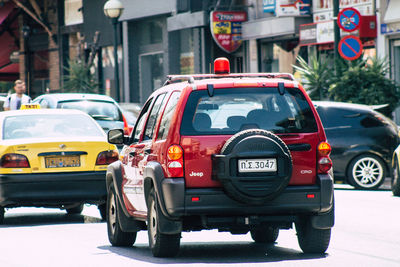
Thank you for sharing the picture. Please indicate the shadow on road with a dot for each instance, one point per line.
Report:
(34, 219)
(216, 252)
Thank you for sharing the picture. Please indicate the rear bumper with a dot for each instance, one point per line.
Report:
(52, 189)
(294, 200)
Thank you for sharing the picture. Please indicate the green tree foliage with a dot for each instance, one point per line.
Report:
(317, 75)
(364, 81)
(80, 79)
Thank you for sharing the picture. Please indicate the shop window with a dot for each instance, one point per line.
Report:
(151, 32)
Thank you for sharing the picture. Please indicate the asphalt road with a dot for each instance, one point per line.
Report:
(367, 233)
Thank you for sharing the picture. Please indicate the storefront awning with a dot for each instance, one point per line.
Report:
(392, 12)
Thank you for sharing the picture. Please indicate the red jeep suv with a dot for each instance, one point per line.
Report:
(234, 152)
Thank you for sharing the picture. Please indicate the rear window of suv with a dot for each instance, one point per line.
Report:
(234, 109)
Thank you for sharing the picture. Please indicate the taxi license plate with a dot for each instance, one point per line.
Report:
(257, 165)
(63, 162)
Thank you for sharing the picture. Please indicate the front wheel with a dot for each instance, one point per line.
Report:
(366, 172)
(396, 179)
(312, 240)
(75, 210)
(116, 236)
(161, 245)
(266, 235)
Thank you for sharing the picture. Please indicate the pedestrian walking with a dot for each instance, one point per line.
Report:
(14, 101)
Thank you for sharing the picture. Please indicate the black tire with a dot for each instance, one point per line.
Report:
(366, 172)
(103, 211)
(256, 188)
(265, 235)
(161, 245)
(396, 178)
(2, 212)
(312, 240)
(116, 236)
(75, 210)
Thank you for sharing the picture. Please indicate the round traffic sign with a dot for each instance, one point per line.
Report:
(349, 19)
(350, 47)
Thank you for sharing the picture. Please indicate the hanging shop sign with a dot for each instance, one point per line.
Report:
(349, 19)
(269, 6)
(350, 47)
(293, 8)
(226, 29)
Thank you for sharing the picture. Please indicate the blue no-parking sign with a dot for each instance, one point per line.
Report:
(350, 47)
(349, 19)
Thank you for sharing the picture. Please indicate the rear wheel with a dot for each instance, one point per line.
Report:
(366, 172)
(116, 236)
(265, 235)
(312, 240)
(161, 245)
(75, 210)
(396, 179)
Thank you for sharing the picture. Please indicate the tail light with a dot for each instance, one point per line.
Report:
(14, 161)
(175, 161)
(324, 162)
(107, 157)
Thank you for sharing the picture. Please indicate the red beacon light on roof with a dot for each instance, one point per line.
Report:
(221, 65)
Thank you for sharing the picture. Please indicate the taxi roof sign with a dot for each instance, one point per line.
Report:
(30, 106)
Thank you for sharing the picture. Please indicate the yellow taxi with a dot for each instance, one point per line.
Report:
(52, 158)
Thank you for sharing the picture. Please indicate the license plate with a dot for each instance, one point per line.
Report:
(63, 162)
(257, 165)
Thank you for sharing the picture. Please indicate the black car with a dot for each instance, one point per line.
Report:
(363, 141)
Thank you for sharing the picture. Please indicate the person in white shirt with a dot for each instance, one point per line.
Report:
(14, 101)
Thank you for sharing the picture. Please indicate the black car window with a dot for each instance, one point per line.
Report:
(234, 109)
(99, 110)
(154, 114)
(336, 117)
(167, 116)
(140, 122)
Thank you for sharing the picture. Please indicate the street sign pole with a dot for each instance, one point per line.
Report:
(336, 30)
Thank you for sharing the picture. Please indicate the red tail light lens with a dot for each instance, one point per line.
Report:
(175, 161)
(107, 157)
(324, 162)
(324, 165)
(14, 161)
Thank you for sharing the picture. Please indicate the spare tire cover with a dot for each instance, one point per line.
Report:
(256, 187)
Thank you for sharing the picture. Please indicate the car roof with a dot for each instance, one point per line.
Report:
(79, 96)
(342, 105)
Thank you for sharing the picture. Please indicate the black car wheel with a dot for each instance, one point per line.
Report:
(116, 236)
(2, 212)
(395, 178)
(265, 235)
(312, 240)
(103, 211)
(366, 172)
(75, 210)
(161, 245)
(253, 187)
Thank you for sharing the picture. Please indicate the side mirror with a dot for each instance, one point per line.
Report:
(116, 137)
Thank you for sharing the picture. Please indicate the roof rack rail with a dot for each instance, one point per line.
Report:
(191, 78)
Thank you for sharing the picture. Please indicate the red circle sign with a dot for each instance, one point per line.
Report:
(349, 19)
(350, 47)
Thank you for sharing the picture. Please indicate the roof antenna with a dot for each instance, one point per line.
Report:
(281, 88)
(210, 90)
